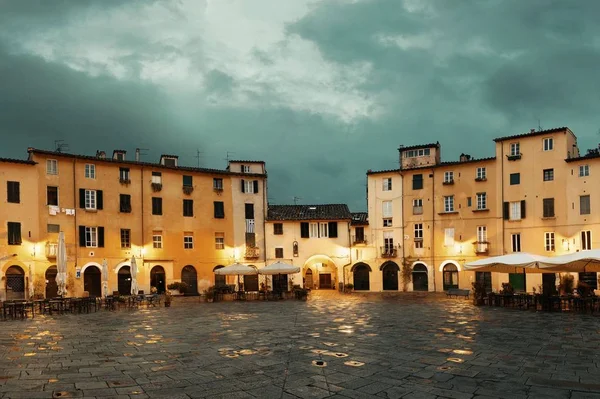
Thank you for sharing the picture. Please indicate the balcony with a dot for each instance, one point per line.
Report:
(156, 186)
(188, 189)
(481, 247)
(448, 182)
(51, 250)
(417, 210)
(252, 253)
(514, 157)
(359, 240)
(388, 252)
(125, 181)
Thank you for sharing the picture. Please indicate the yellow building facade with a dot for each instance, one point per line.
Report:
(178, 222)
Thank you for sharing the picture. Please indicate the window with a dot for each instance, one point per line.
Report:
(386, 209)
(549, 241)
(359, 234)
(449, 237)
(418, 231)
(387, 222)
(584, 205)
(188, 208)
(249, 225)
(314, 230)
(14, 233)
(548, 144)
(90, 171)
(51, 167)
(548, 174)
(157, 242)
(217, 184)
(515, 149)
(387, 184)
(90, 199)
(515, 210)
(278, 228)
(515, 178)
(188, 241)
(323, 229)
(124, 175)
(388, 242)
(245, 168)
(418, 206)
(156, 178)
(157, 206)
(91, 237)
(125, 238)
(279, 253)
(417, 153)
(250, 186)
(219, 210)
(448, 177)
(449, 203)
(187, 181)
(417, 182)
(124, 203)
(120, 156)
(515, 240)
(53, 228)
(584, 170)
(219, 240)
(52, 195)
(469, 202)
(586, 240)
(481, 174)
(482, 234)
(481, 201)
(548, 205)
(13, 192)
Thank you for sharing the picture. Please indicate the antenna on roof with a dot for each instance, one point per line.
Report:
(139, 153)
(228, 154)
(198, 156)
(296, 199)
(539, 125)
(59, 146)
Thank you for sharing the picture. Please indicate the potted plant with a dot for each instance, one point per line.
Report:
(168, 299)
(184, 287)
(209, 294)
(507, 289)
(301, 293)
(567, 284)
(39, 287)
(348, 287)
(174, 288)
(153, 290)
(478, 293)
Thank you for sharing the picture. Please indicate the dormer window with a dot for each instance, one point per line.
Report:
(245, 168)
(119, 155)
(168, 160)
(423, 152)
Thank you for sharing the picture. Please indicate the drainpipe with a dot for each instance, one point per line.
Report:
(142, 201)
(502, 194)
(76, 212)
(265, 213)
(349, 257)
(402, 225)
(433, 227)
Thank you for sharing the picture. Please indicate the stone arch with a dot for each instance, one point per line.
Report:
(389, 275)
(358, 264)
(96, 264)
(122, 264)
(420, 276)
(189, 275)
(220, 281)
(15, 282)
(450, 277)
(448, 262)
(323, 272)
(92, 280)
(50, 281)
(158, 278)
(361, 276)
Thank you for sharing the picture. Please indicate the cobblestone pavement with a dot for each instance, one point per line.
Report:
(411, 346)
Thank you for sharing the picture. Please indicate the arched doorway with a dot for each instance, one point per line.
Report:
(15, 283)
(124, 280)
(308, 279)
(220, 281)
(157, 279)
(361, 275)
(389, 271)
(420, 277)
(51, 286)
(450, 276)
(190, 277)
(92, 281)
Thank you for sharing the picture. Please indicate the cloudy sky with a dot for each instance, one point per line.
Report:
(322, 90)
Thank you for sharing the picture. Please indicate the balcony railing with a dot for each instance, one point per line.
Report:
(388, 252)
(51, 250)
(417, 210)
(514, 157)
(481, 247)
(359, 240)
(252, 253)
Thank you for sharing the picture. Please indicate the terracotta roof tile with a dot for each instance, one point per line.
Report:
(22, 161)
(532, 134)
(309, 212)
(360, 219)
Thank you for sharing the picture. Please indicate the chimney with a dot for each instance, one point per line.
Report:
(100, 154)
(137, 155)
(532, 131)
(119, 155)
(464, 157)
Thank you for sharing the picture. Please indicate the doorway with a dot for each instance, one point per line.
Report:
(92, 281)
(190, 277)
(157, 279)
(450, 277)
(517, 281)
(280, 283)
(123, 280)
(251, 283)
(51, 286)
(549, 284)
(325, 281)
(220, 280)
(484, 278)
(361, 275)
(420, 278)
(15, 283)
(308, 279)
(390, 276)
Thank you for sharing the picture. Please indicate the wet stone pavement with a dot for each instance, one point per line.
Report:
(342, 346)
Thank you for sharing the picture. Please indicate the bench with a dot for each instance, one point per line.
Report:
(456, 292)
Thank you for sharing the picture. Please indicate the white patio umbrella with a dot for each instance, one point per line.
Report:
(236, 269)
(581, 261)
(278, 268)
(61, 265)
(104, 278)
(511, 263)
(134, 287)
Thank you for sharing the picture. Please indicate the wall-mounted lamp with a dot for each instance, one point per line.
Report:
(565, 244)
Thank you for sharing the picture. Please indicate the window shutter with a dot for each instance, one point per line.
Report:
(333, 233)
(255, 186)
(100, 237)
(82, 198)
(505, 210)
(242, 168)
(243, 186)
(522, 209)
(99, 200)
(304, 230)
(82, 236)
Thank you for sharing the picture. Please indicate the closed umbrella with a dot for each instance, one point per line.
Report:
(61, 265)
(134, 287)
(104, 278)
